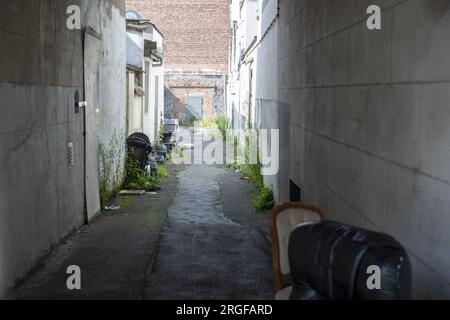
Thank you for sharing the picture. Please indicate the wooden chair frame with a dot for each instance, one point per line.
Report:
(284, 281)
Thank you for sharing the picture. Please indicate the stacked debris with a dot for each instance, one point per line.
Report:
(139, 148)
(148, 157)
(169, 132)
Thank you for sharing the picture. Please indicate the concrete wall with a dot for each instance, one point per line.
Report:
(149, 100)
(157, 105)
(242, 83)
(155, 114)
(107, 17)
(258, 104)
(271, 113)
(369, 115)
(135, 48)
(145, 113)
(250, 10)
(42, 196)
(135, 105)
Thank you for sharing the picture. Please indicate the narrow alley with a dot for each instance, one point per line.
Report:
(224, 150)
(178, 244)
(203, 253)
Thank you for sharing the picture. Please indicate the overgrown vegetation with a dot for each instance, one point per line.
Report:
(223, 124)
(189, 123)
(206, 124)
(138, 179)
(263, 199)
(162, 171)
(118, 171)
(111, 167)
(177, 153)
(123, 201)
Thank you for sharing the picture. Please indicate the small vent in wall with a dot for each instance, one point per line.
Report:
(295, 192)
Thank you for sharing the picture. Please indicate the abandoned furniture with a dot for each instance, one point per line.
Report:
(330, 260)
(283, 220)
(169, 133)
(161, 152)
(139, 147)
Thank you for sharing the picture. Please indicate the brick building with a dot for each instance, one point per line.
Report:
(196, 53)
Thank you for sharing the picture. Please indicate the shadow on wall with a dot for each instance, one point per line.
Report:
(168, 101)
(175, 107)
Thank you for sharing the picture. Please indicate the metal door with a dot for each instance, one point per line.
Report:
(194, 108)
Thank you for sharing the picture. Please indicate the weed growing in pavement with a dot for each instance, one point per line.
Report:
(111, 167)
(223, 124)
(263, 199)
(138, 179)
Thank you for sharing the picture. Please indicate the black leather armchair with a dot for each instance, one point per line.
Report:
(329, 260)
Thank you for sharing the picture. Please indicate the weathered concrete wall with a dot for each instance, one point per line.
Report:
(42, 195)
(369, 119)
(157, 104)
(135, 105)
(208, 85)
(271, 113)
(135, 48)
(40, 70)
(107, 17)
(154, 90)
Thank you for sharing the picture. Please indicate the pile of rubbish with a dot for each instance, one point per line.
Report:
(169, 132)
(149, 156)
(141, 150)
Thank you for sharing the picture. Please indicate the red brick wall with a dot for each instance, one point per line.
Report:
(196, 31)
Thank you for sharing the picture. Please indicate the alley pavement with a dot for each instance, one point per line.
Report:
(114, 252)
(205, 255)
(198, 238)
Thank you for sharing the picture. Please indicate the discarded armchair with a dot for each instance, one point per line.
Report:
(283, 220)
(333, 261)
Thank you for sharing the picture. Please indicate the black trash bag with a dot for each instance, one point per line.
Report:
(139, 147)
(161, 149)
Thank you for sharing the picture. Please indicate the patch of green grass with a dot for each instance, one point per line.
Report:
(188, 123)
(263, 200)
(123, 201)
(253, 172)
(177, 153)
(163, 172)
(111, 157)
(206, 124)
(105, 196)
(137, 179)
(223, 124)
(145, 183)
